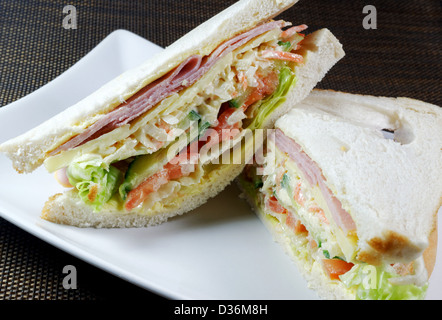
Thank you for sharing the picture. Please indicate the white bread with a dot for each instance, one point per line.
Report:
(29, 150)
(325, 51)
(392, 189)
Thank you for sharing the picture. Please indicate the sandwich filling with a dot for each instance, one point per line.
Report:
(291, 195)
(167, 137)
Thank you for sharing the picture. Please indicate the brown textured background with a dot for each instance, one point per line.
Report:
(402, 57)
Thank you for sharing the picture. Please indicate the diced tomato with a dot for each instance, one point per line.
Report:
(266, 85)
(171, 171)
(336, 267)
(136, 196)
(295, 224)
(299, 227)
(222, 120)
(313, 244)
(273, 204)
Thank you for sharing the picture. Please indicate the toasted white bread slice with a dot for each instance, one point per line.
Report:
(392, 184)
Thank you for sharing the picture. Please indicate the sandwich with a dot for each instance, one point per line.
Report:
(350, 185)
(146, 146)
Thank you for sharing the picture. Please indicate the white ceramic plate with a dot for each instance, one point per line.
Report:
(219, 251)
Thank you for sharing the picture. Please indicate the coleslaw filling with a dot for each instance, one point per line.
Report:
(239, 92)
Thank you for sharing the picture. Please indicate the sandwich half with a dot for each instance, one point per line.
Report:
(146, 146)
(351, 185)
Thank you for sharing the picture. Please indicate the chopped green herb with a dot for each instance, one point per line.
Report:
(286, 46)
(235, 103)
(285, 182)
(326, 254)
(258, 184)
(202, 128)
(339, 258)
(194, 116)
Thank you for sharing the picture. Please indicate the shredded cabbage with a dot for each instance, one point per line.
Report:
(95, 184)
(373, 283)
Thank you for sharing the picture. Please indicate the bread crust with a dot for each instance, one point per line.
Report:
(391, 244)
(430, 252)
(394, 243)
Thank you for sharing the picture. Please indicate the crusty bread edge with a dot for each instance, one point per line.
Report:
(430, 252)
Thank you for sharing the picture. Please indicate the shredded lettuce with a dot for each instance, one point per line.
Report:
(373, 283)
(95, 184)
(287, 80)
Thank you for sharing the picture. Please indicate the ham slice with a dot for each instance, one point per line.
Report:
(313, 175)
(185, 75)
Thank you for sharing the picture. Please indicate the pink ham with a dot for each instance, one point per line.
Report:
(185, 75)
(314, 176)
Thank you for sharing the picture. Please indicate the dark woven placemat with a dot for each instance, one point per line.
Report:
(402, 57)
(31, 269)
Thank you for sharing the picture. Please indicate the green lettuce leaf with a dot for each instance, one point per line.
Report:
(89, 177)
(373, 283)
(287, 80)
